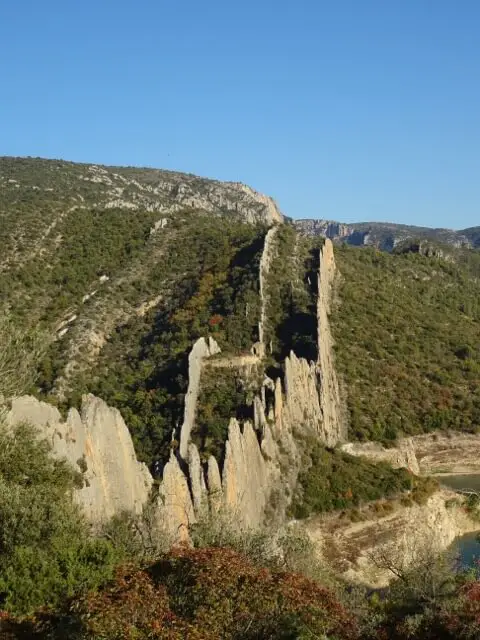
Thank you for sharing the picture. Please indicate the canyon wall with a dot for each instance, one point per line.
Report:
(265, 263)
(96, 442)
(201, 350)
(262, 460)
(333, 426)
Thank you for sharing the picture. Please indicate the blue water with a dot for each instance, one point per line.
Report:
(468, 546)
(468, 549)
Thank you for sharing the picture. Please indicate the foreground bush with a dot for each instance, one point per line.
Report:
(456, 618)
(201, 594)
(46, 551)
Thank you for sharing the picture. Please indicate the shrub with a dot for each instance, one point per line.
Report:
(46, 552)
(331, 479)
(205, 594)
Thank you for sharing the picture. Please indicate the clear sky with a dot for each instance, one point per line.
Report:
(340, 109)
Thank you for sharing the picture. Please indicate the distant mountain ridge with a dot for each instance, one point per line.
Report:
(386, 235)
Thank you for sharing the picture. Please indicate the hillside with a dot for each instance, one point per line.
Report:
(386, 235)
(123, 269)
(195, 369)
(407, 330)
(85, 248)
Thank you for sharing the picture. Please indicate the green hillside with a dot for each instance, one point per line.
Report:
(407, 331)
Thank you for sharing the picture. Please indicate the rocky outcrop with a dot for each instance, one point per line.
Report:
(197, 481)
(451, 452)
(265, 263)
(403, 537)
(302, 400)
(175, 507)
(428, 454)
(264, 461)
(201, 350)
(271, 211)
(262, 458)
(333, 428)
(97, 442)
(245, 481)
(401, 456)
(383, 235)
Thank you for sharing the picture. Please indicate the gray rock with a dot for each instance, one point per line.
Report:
(98, 439)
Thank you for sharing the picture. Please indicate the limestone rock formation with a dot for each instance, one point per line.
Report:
(96, 439)
(197, 480)
(214, 485)
(265, 263)
(262, 460)
(400, 456)
(383, 235)
(245, 478)
(201, 349)
(175, 507)
(302, 400)
(403, 536)
(271, 212)
(333, 427)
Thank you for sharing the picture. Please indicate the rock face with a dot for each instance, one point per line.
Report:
(245, 477)
(96, 439)
(403, 536)
(333, 427)
(384, 235)
(200, 350)
(401, 456)
(271, 212)
(265, 263)
(262, 459)
(175, 508)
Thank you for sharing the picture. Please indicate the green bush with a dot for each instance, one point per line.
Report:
(331, 480)
(46, 551)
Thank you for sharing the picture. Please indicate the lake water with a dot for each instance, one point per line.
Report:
(467, 546)
(465, 481)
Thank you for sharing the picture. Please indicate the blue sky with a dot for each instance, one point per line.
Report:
(346, 109)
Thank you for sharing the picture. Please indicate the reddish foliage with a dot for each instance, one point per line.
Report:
(462, 620)
(215, 320)
(203, 594)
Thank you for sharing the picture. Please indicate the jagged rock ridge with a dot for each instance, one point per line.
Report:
(255, 454)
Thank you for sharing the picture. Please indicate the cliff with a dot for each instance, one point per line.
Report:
(428, 454)
(200, 351)
(334, 427)
(384, 235)
(96, 442)
(404, 536)
(262, 460)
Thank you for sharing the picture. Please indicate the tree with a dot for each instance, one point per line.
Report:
(46, 551)
(19, 353)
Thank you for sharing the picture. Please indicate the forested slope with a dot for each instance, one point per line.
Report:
(407, 331)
